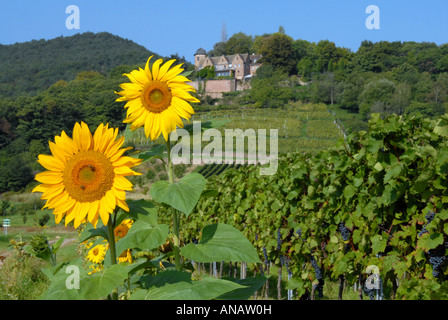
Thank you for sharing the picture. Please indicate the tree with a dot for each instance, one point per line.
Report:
(325, 88)
(277, 50)
(207, 73)
(305, 68)
(270, 88)
(258, 43)
(239, 43)
(219, 49)
(326, 52)
(304, 49)
(377, 97)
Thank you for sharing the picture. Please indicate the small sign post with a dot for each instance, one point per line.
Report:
(6, 224)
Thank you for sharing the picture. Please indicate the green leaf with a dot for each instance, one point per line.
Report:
(392, 172)
(143, 235)
(59, 276)
(251, 284)
(373, 145)
(186, 73)
(55, 247)
(378, 244)
(143, 210)
(221, 242)
(442, 127)
(209, 193)
(298, 284)
(211, 124)
(163, 278)
(378, 166)
(91, 287)
(155, 152)
(205, 289)
(90, 232)
(349, 192)
(431, 241)
(100, 284)
(182, 195)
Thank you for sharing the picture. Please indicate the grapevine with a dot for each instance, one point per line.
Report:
(367, 194)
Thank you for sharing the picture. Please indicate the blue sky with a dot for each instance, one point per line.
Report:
(176, 26)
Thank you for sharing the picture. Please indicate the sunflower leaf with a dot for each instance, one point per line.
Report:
(90, 232)
(186, 73)
(176, 286)
(154, 152)
(143, 210)
(221, 242)
(182, 195)
(144, 236)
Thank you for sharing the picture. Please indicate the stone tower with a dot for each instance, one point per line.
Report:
(199, 56)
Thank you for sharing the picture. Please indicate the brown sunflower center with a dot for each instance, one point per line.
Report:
(156, 96)
(88, 175)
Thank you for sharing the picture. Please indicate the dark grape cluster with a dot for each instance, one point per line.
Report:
(285, 261)
(436, 259)
(429, 217)
(317, 270)
(265, 255)
(279, 240)
(344, 231)
(299, 232)
(369, 292)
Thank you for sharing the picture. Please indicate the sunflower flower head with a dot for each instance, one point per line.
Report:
(122, 229)
(157, 98)
(97, 254)
(86, 177)
(126, 256)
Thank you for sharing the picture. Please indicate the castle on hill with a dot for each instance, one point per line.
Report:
(239, 66)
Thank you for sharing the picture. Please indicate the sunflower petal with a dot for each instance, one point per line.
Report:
(51, 163)
(147, 70)
(164, 68)
(155, 69)
(49, 177)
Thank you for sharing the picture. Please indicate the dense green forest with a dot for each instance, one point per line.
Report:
(48, 85)
(30, 67)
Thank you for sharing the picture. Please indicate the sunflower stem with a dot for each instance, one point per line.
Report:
(176, 216)
(113, 253)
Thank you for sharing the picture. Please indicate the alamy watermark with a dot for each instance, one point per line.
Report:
(373, 20)
(73, 21)
(72, 281)
(189, 149)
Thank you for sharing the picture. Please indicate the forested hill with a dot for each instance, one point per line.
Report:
(31, 67)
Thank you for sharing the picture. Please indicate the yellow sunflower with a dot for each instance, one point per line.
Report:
(158, 98)
(97, 253)
(86, 175)
(125, 256)
(122, 229)
(88, 245)
(95, 269)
